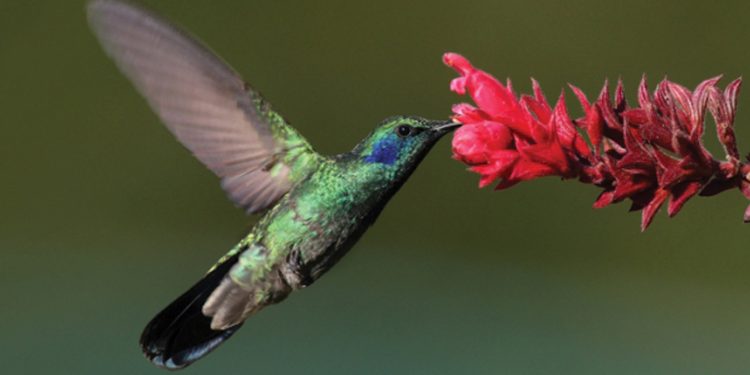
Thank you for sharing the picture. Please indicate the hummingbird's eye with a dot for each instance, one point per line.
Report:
(403, 130)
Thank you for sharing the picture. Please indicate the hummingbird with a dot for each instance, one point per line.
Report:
(314, 207)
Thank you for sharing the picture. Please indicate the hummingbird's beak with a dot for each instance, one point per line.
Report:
(445, 127)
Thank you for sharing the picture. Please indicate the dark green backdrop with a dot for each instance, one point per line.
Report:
(105, 218)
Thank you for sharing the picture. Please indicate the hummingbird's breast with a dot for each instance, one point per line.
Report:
(314, 225)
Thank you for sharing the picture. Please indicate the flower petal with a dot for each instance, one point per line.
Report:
(653, 207)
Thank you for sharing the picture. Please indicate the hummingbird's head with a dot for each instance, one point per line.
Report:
(399, 143)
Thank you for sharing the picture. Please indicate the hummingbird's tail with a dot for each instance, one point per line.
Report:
(180, 334)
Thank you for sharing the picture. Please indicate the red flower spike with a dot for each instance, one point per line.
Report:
(647, 154)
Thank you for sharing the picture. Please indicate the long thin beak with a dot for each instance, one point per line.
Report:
(445, 126)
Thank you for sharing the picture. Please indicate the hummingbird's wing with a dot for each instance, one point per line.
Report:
(205, 104)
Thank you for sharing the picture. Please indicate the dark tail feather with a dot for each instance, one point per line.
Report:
(180, 334)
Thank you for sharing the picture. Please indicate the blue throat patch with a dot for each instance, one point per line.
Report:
(384, 152)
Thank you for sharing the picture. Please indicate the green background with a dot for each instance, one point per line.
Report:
(105, 218)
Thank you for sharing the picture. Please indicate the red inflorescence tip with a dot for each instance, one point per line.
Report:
(649, 153)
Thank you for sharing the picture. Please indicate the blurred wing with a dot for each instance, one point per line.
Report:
(204, 103)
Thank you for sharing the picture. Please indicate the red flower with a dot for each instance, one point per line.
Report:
(648, 154)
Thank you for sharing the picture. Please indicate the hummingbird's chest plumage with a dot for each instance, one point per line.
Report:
(320, 219)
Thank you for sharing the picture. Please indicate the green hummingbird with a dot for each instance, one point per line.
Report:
(316, 207)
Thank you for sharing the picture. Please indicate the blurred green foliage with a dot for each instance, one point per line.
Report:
(105, 218)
